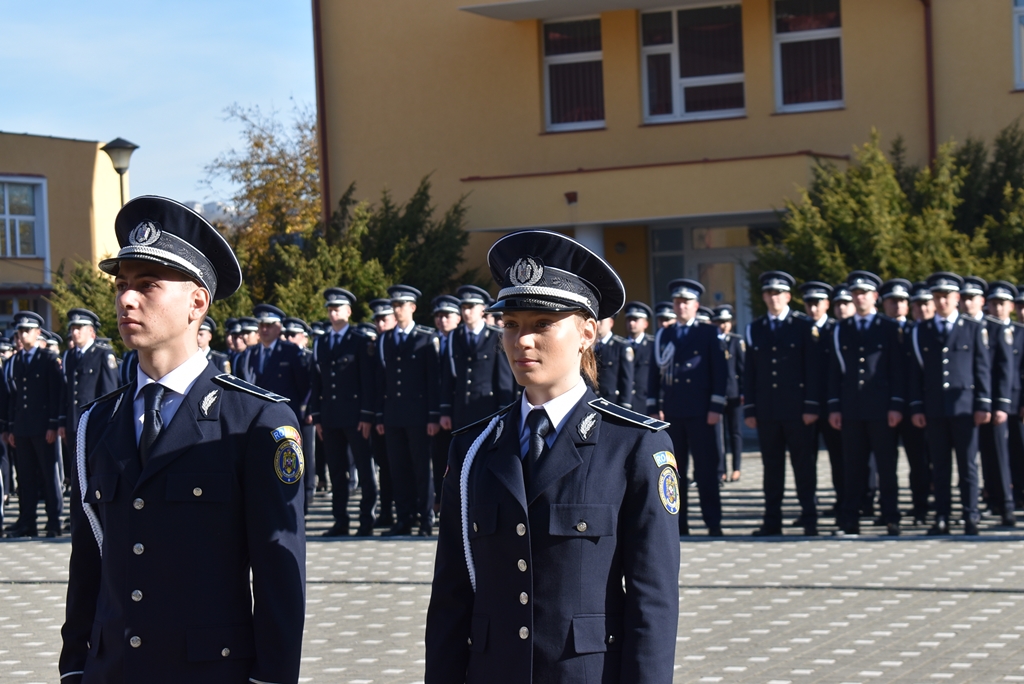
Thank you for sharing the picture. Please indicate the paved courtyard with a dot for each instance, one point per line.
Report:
(869, 609)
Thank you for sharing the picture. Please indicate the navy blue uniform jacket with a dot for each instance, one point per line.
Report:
(34, 399)
(184, 533)
(735, 350)
(615, 371)
(1006, 343)
(867, 374)
(642, 351)
(94, 375)
(550, 605)
(783, 369)
(342, 380)
(408, 390)
(476, 380)
(693, 382)
(285, 372)
(951, 377)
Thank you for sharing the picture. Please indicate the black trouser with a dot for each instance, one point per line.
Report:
(337, 442)
(694, 435)
(994, 441)
(834, 445)
(309, 454)
(439, 459)
(321, 463)
(387, 492)
(860, 439)
(775, 437)
(1017, 457)
(409, 452)
(38, 475)
(729, 433)
(916, 446)
(944, 435)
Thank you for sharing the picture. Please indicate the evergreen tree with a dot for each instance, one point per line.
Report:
(86, 287)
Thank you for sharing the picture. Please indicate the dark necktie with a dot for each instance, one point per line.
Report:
(78, 354)
(402, 337)
(539, 424)
(774, 322)
(334, 340)
(153, 422)
(862, 324)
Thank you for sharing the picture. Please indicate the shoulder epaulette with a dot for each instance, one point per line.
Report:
(648, 338)
(231, 382)
(1016, 324)
(799, 314)
(425, 330)
(610, 409)
(993, 319)
(968, 319)
(356, 331)
(620, 339)
(483, 421)
(103, 344)
(109, 395)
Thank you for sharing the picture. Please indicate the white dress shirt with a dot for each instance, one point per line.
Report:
(558, 410)
(176, 384)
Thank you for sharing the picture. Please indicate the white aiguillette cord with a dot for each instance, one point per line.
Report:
(464, 495)
(83, 481)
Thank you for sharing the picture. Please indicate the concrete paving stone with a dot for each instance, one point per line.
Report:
(790, 609)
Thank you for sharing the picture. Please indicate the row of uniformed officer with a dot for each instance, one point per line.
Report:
(730, 429)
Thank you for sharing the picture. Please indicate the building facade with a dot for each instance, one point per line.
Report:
(664, 135)
(58, 200)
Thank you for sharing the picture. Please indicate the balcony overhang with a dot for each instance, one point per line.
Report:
(525, 10)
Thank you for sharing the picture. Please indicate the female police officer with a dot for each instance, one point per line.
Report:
(560, 558)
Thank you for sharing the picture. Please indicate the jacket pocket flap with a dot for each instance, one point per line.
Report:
(199, 487)
(229, 642)
(95, 638)
(102, 488)
(582, 520)
(482, 520)
(478, 629)
(593, 634)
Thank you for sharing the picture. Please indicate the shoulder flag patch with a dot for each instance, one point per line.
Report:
(664, 458)
(286, 432)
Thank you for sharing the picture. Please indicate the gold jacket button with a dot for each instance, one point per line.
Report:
(136, 596)
(225, 652)
(581, 526)
(523, 598)
(135, 642)
(524, 633)
(522, 565)
(521, 529)
(138, 549)
(138, 504)
(198, 491)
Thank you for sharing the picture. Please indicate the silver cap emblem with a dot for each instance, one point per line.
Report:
(526, 272)
(146, 233)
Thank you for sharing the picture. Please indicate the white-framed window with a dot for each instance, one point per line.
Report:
(21, 219)
(808, 55)
(693, 63)
(573, 75)
(1018, 43)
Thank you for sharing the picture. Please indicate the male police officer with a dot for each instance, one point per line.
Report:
(780, 391)
(476, 379)
(218, 359)
(950, 397)
(1006, 343)
(189, 485)
(408, 409)
(274, 364)
(972, 297)
(665, 312)
(32, 418)
(689, 377)
(730, 429)
(446, 320)
(383, 321)
(341, 407)
(615, 357)
(866, 390)
(638, 318)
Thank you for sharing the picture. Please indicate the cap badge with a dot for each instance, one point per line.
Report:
(146, 233)
(586, 425)
(526, 272)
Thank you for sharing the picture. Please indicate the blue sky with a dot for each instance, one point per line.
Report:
(159, 74)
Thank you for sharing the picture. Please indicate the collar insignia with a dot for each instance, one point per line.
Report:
(586, 425)
(208, 401)
(526, 272)
(498, 428)
(1008, 334)
(146, 233)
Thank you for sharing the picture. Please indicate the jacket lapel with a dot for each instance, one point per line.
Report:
(184, 430)
(119, 431)
(563, 457)
(503, 457)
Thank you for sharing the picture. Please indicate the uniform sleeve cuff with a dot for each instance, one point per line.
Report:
(717, 399)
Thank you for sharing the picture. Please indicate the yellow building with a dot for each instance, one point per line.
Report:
(58, 200)
(664, 135)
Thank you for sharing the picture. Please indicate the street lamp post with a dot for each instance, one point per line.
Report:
(120, 152)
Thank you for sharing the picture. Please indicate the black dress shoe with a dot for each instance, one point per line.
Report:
(879, 521)
(398, 530)
(715, 532)
(921, 520)
(971, 528)
(1009, 520)
(799, 522)
(811, 531)
(51, 534)
(336, 531)
(22, 533)
(384, 523)
(853, 531)
(892, 530)
(426, 530)
(684, 532)
(365, 531)
(767, 532)
(67, 525)
(939, 528)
